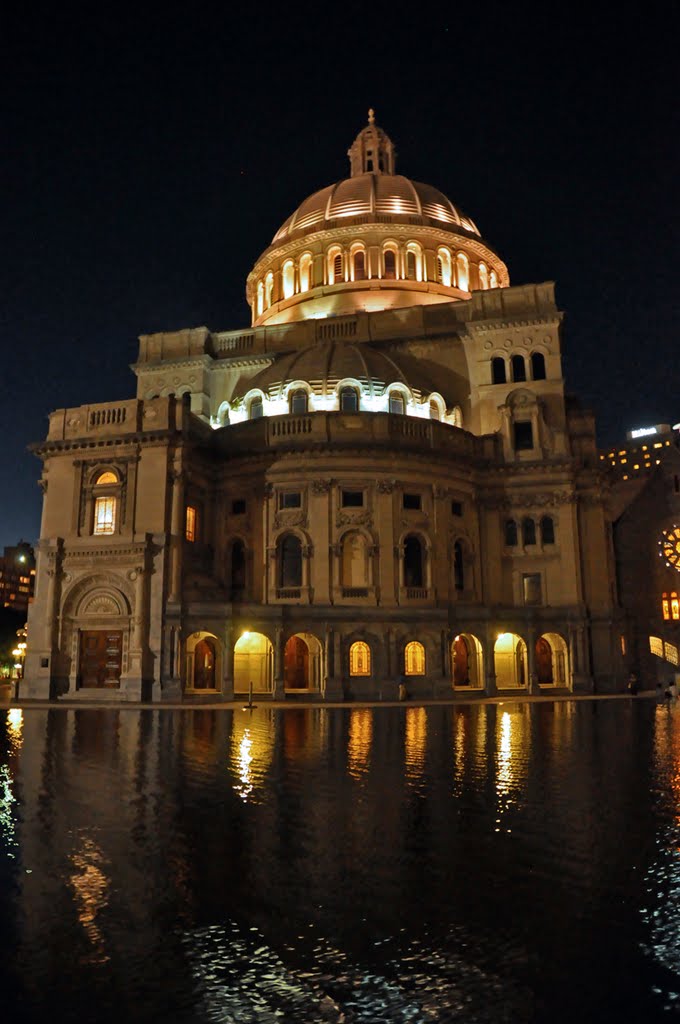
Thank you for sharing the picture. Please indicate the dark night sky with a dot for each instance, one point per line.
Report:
(148, 161)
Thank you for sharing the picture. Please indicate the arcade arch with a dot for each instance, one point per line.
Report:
(510, 661)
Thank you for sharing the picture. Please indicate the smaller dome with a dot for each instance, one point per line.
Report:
(324, 365)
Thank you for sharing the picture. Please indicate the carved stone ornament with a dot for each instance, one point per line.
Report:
(386, 486)
(101, 605)
(547, 499)
(284, 518)
(361, 517)
(321, 486)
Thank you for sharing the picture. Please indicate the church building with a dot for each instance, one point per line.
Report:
(379, 482)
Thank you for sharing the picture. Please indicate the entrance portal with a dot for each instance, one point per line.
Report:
(100, 658)
(296, 664)
(204, 665)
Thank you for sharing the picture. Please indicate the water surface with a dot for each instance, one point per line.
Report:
(516, 862)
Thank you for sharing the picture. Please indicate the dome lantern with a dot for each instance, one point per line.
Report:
(372, 152)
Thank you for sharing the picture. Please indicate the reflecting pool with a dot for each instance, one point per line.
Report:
(485, 863)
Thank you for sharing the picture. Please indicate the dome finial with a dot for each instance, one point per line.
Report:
(372, 151)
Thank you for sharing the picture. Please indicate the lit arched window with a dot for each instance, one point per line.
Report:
(435, 412)
(414, 562)
(298, 401)
(510, 533)
(458, 566)
(290, 561)
(410, 265)
(260, 298)
(528, 531)
(255, 410)
(414, 659)
(462, 271)
(444, 275)
(665, 607)
(106, 504)
(305, 272)
(493, 279)
(349, 400)
(359, 265)
(268, 290)
(390, 264)
(498, 370)
(483, 276)
(288, 279)
(106, 478)
(519, 370)
(360, 659)
(537, 366)
(547, 530)
(397, 404)
(335, 275)
(337, 268)
(675, 606)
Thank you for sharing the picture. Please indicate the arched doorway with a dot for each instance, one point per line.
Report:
(203, 661)
(551, 660)
(466, 660)
(296, 664)
(510, 661)
(253, 663)
(204, 665)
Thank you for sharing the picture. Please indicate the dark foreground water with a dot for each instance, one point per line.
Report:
(514, 862)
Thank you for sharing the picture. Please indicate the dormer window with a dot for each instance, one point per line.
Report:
(298, 401)
(397, 404)
(349, 400)
(255, 410)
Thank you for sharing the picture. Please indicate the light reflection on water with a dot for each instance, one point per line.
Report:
(466, 863)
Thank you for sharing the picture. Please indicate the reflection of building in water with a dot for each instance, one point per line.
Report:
(513, 741)
(316, 502)
(415, 740)
(359, 740)
(90, 886)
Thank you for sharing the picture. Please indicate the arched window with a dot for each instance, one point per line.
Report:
(410, 265)
(290, 561)
(359, 265)
(414, 562)
(493, 279)
(519, 370)
(335, 275)
(458, 566)
(537, 366)
(528, 531)
(106, 478)
(288, 279)
(462, 271)
(665, 607)
(414, 659)
(498, 370)
(547, 530)
(435, 412)
(260, 298)
(360, 659)
(268, 290)
(397, 404)
(483, 276)
(106, 496)
(510, 533)
(349, 400)
(238, 569)
(255, 410)
(444, 275)
(675, 606)
(298, 401)
(390, 264)
(305, 272)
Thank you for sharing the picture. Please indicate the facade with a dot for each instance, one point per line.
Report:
(380, 480)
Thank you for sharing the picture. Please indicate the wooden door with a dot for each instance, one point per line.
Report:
(461, 662)
(204, 665)
(100, 658)
(544, 666)
(296, 664)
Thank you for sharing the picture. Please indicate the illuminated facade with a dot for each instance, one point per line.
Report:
(380, 477)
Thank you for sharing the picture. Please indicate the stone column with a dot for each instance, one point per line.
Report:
(279, 690)
(228, 664)
(531, 660)
(177, 533)
(489, 663)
